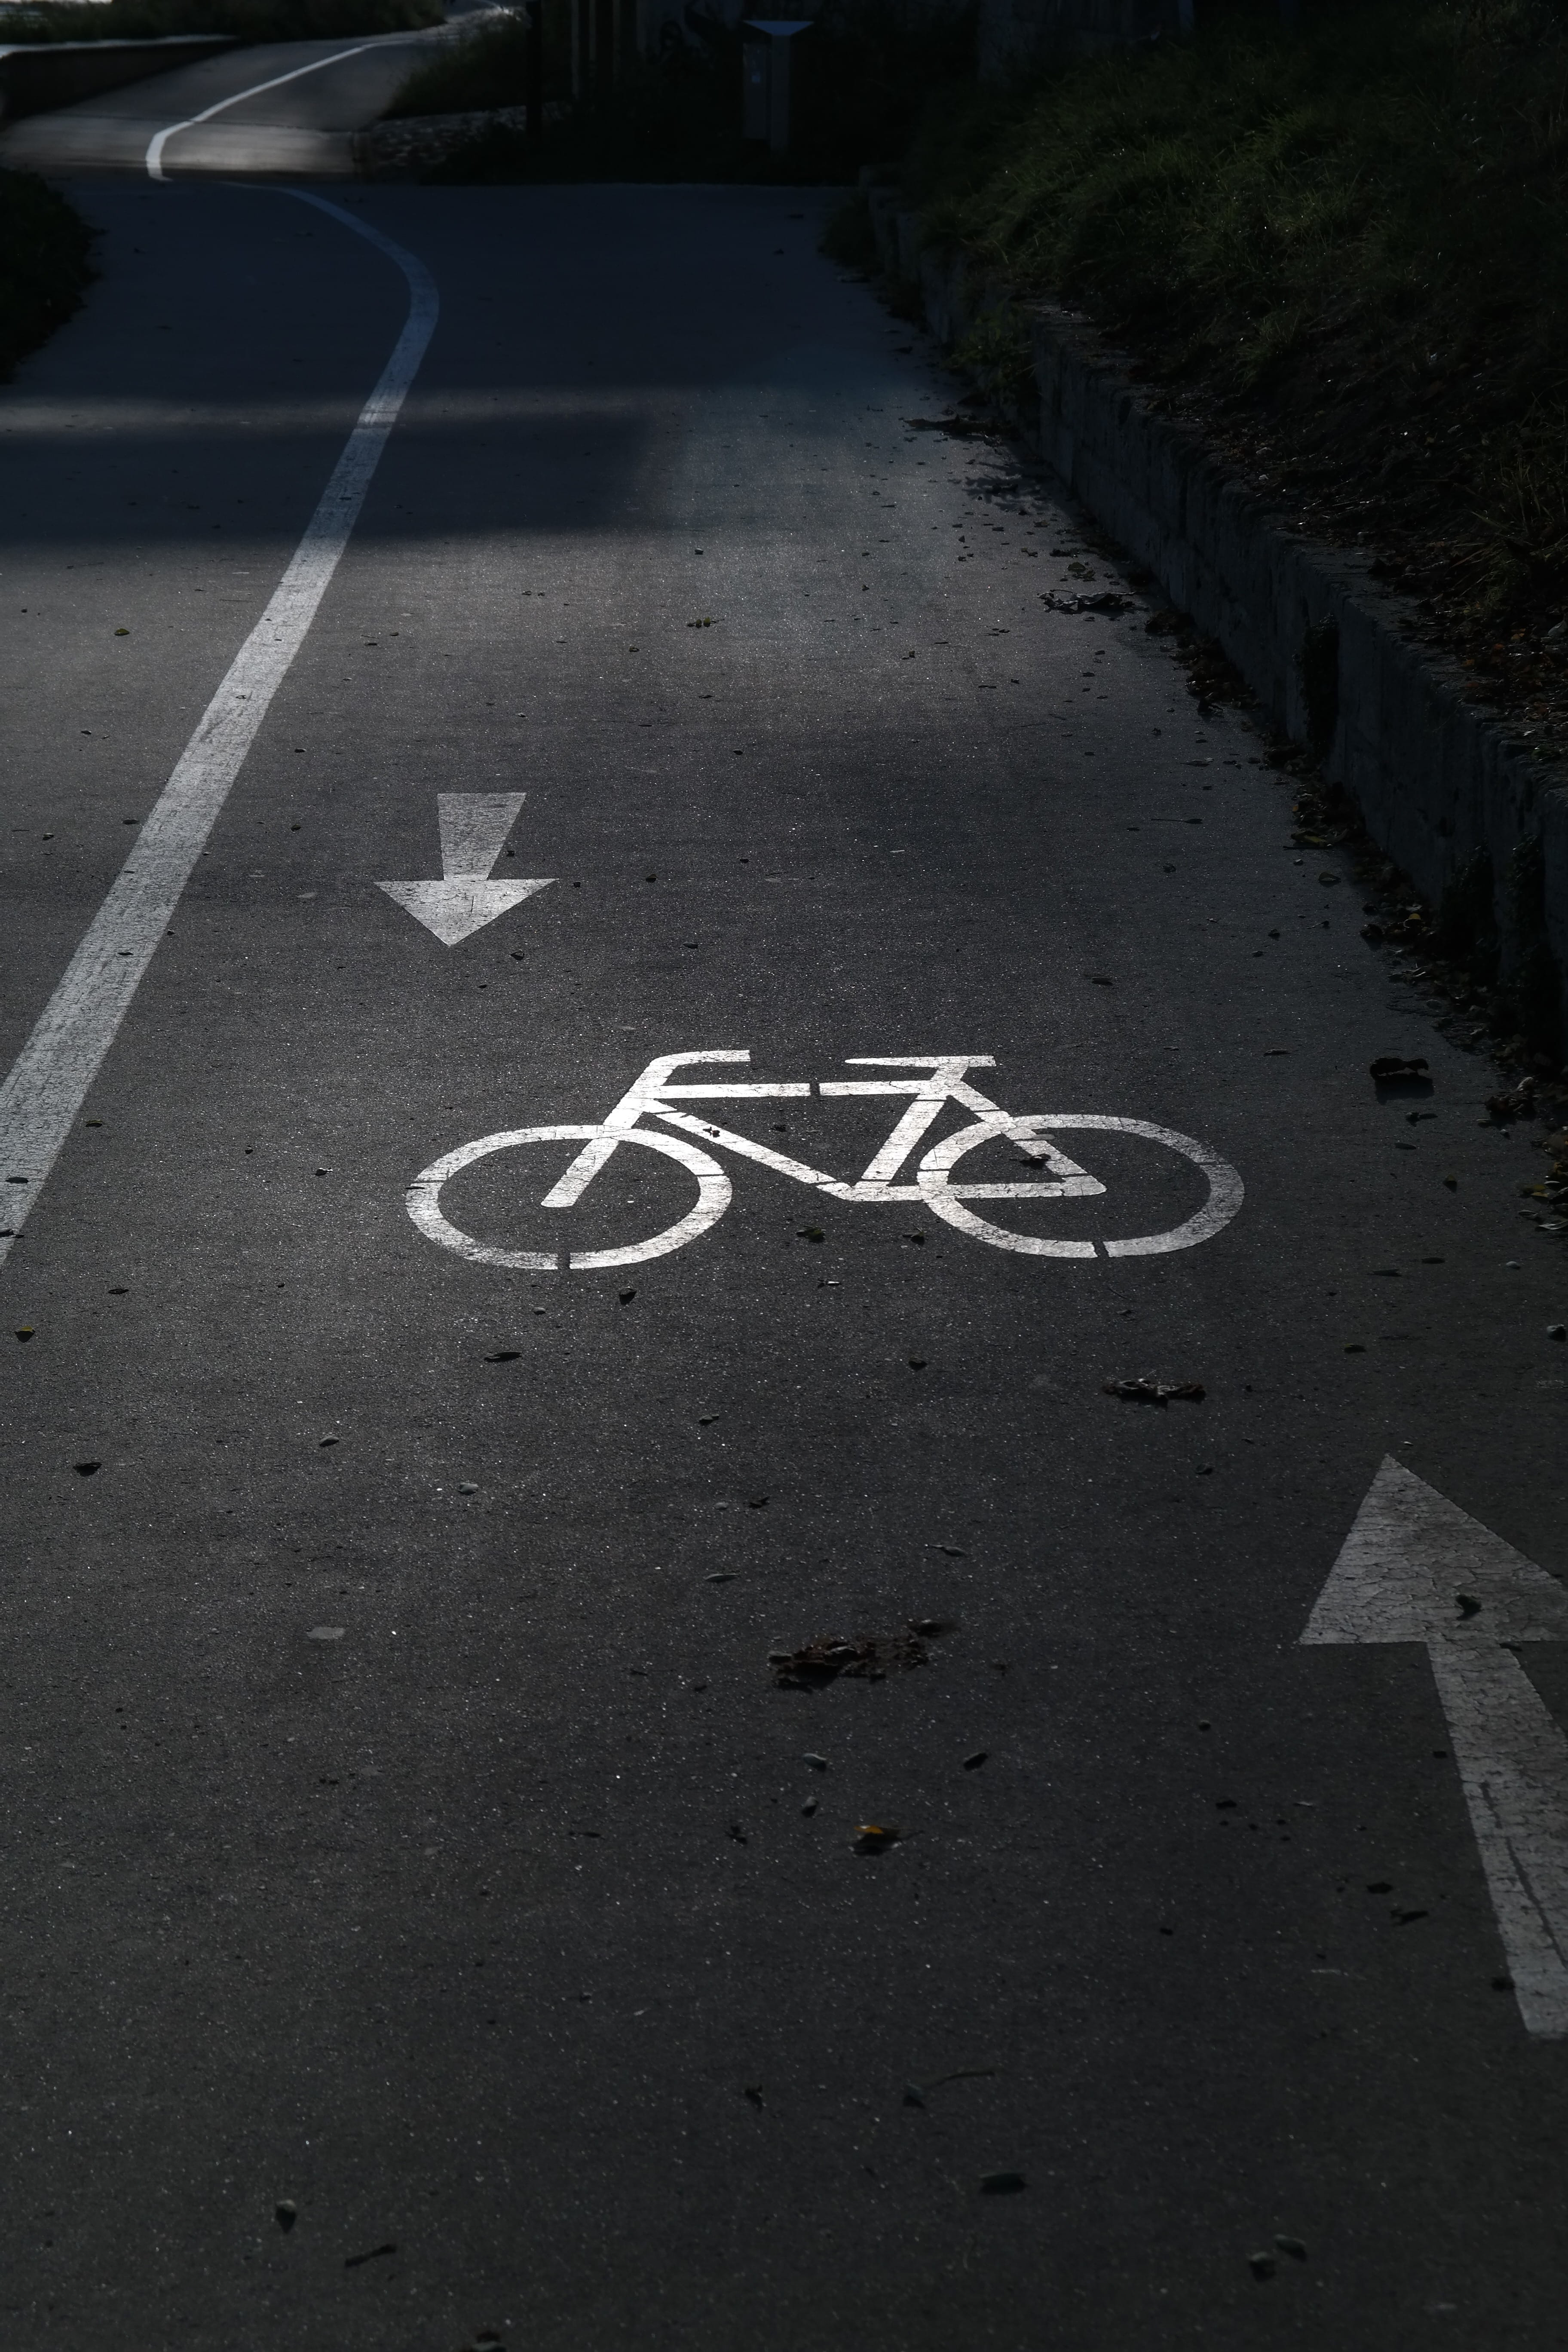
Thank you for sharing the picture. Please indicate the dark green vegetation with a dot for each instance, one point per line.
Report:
(248, 20)
(1342, 251)
(1345, 253)
(44, 265)
(487, 67)
(862, 76)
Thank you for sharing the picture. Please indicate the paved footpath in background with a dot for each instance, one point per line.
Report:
(424, 1422)
(282, 106)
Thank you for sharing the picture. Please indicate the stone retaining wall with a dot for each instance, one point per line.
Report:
(1336, 661)
(403, 148)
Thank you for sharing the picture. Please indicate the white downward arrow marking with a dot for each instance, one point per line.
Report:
(1416, 1568)
(474, 827)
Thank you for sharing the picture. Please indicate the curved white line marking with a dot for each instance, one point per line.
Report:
(424, 1199)
(155, 147)
(1225, 1196)
(50, 1076)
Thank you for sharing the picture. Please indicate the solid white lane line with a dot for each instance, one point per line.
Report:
(49, 1082)
(155, 149)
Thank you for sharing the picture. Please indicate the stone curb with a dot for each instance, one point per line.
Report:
(411, 143)
(1335, 659)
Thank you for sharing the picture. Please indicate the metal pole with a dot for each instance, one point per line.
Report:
(533, 75)
(779, 48)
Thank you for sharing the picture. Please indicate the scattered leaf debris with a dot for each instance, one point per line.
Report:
(1107, 601)
(869, 1658)
(960, 428)
(876, 1837)
(915, 2092)
(1519, 1104)
(1152, 1391)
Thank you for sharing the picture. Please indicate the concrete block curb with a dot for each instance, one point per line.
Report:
(1334, 658)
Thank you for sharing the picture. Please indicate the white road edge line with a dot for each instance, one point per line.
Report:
(47, 1083)
(155, 147)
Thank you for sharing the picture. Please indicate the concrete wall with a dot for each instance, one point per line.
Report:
(37, 75)
(1335, 660)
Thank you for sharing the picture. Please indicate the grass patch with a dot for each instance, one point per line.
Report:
(1343, 250)
(44, 265)
(486, 68)
(246, 20)
(862, 76)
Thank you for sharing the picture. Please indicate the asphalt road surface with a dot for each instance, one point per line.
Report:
(285, 106)
(427, 1910)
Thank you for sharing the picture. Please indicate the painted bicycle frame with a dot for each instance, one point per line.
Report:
(930, 1083)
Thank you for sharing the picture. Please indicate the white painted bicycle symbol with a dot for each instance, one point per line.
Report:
(937, 1079)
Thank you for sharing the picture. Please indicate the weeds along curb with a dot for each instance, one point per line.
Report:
(1334, 659)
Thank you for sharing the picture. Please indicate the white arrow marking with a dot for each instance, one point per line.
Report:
(474, 827)
(1414, 1568)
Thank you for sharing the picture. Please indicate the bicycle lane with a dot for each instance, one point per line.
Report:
(448, 1590)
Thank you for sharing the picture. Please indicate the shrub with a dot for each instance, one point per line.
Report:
(44, 264)
(246, 20)
(1350, 241)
